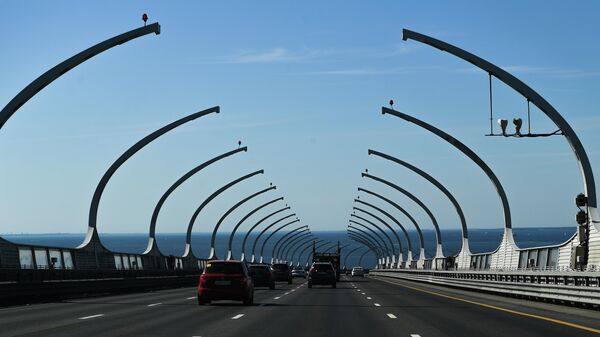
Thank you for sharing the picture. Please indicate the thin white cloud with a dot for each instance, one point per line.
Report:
(274, 55)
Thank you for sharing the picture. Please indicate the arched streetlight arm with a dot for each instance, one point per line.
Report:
(180, 181)
(390, 217)
(376, 227)
(531, 95)
(233, 208)
(413, 198)
(402, 210)
(188, 239)
(285, 237)
(230, 244)
(262, 248)
(433, 181)
(383, 223)
(257, 224)
(55, 72)
(266, 228)
(292, 240)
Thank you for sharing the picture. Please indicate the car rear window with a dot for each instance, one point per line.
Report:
(224, 268)
(280, 267)
(259, 269)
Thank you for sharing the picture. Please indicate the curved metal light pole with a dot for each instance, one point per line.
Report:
(302, 246)
(373, 235)
(188, 238)
(464, 252)
(286, 237)
(532, 96)
(349, 253)
(290, 240)
(92, 233)
(264, 230)
(152, 234)
(393, 258)
(372, 238)
(363, 255)
(379, 252)
(55, 72)
(409, 252)
(438, 235)
(262, 248)
(230, 244)
(378, 256)
(243, 258)
(382, 250)
(297, 243)
(410, 217)
(389, 227)
(213, 238)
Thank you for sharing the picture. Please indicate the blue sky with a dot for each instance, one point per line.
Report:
(301, 84)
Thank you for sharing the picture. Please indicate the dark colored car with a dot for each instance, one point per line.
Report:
(226, 280)
(281, 272)
(262, 276)
(322, 273)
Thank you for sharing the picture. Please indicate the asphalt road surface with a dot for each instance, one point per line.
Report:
(358, 307)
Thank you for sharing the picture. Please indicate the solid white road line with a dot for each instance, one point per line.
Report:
(237, 316)
(392, 316)
(93, 316)
(377, 304)
(153, 304)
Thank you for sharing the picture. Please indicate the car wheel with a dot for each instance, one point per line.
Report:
(249, 300)
(202, 301)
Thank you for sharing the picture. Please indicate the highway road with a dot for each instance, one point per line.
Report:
(358, 307)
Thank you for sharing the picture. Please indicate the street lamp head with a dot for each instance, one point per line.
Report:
(503, 124)
(518, 122)
(145, 18)
(391, 103)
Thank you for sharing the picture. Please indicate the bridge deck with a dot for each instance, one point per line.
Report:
(359, 307)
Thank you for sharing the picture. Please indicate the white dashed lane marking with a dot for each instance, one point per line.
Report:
(154, 304)
(93, 316)
(369, 298)
(377, 304)
(191, 298)
(392, 316)
(237, 316)
(413, 335)
(276, 298)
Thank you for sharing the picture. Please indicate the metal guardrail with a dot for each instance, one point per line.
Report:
(581, 287)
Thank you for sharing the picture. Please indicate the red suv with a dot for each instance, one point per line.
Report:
(225, 280)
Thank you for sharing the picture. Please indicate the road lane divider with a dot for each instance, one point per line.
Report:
(392, 316)
(153, 304)
(377, 304)
(238, 316)
(92, 316)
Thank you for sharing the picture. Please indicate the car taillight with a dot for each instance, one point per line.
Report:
(312, 269)
(202, 279)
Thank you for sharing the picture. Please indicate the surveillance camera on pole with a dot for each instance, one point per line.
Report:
(503, 124)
